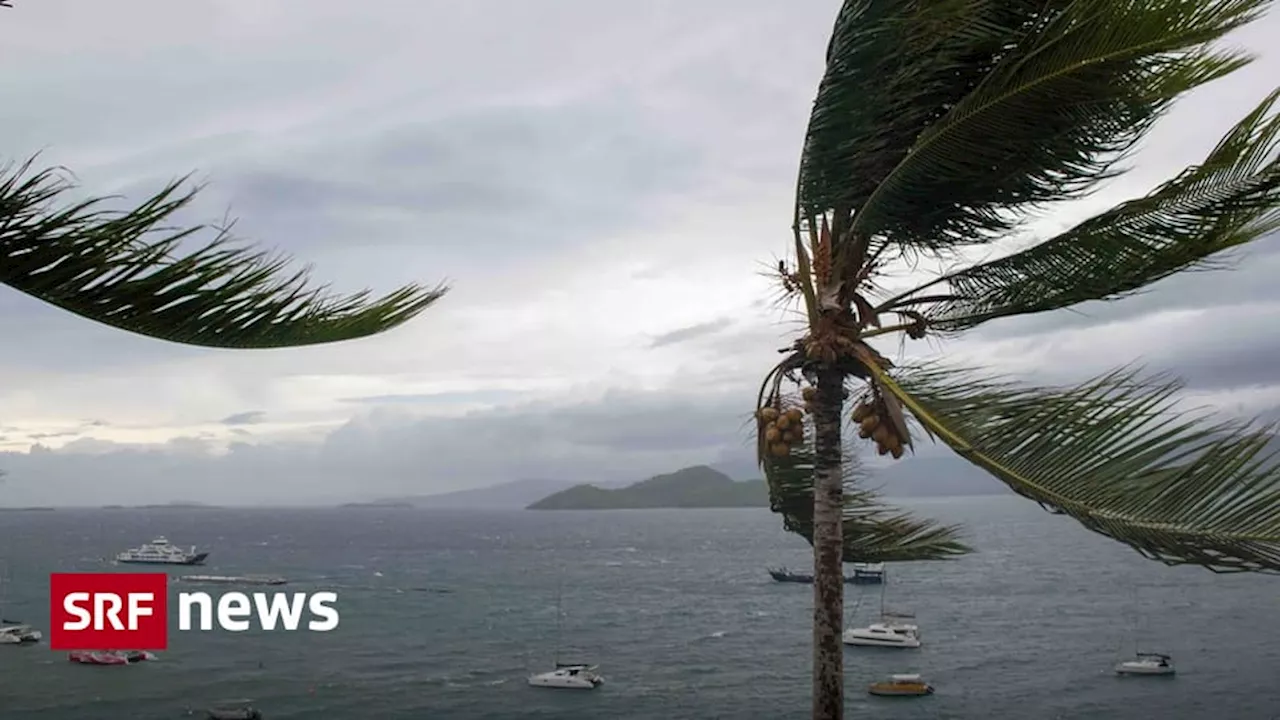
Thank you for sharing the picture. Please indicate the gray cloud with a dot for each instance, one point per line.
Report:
(586, 172)
(248, 417)
(691, 332)
(620, 437)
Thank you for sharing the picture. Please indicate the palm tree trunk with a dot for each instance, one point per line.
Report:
(828, 549)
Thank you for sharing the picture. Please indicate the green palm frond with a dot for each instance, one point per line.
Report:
(893, 68)
(122, 269)
(1113, 454)
(1108, 68)
(1232, 198)
(873, 532)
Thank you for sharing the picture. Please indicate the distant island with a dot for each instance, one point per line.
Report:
(693, 487)
(378, 504)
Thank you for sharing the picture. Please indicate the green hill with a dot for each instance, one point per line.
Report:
(694, 487)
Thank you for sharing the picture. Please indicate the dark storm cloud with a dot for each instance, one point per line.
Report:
(249, 417)
(692, 332)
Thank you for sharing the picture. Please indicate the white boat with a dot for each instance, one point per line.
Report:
(13, 632)
(235, 579)
(868, 573)
(1143, 663)
(895, 630)
(19, 635)
(161, 552)
(883, 634)
(568, 677)
(1147, 664)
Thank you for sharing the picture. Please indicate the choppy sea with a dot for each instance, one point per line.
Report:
(445, 613)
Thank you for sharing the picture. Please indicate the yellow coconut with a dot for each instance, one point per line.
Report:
(860, 412)
(796, 415)
(869, 423)
(772, 434)
(769, 414)
(784, 422)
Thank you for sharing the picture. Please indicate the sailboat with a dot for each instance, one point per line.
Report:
(13, 632)
(566, 676)
(1144, 663)
(895, 630)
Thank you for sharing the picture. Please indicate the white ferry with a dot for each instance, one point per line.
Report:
(160, 552)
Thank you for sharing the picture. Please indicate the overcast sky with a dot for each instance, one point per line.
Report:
(601, 182)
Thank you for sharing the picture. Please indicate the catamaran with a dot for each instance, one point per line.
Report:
(566, 676)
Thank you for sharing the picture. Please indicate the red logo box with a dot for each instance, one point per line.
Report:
(108, 611)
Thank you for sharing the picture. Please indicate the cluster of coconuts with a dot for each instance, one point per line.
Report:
(873, 422)
(783, 429)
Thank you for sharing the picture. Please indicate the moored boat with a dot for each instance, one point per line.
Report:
(904, 685)
(109, 657)
(568, 677)
(782, 574)
(161, 552)
(1147, 664)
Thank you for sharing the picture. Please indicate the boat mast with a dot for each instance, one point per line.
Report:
(559, 617)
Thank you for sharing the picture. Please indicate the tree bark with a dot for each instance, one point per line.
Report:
(828, 548)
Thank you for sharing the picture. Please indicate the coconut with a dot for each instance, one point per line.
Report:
(796, 415)
(882, 449)
(784, 422)
(780, 449)
(869, 424)
(861, 411)
(881, 434)
(897, 451)
(809, 394)
(772, 434)
(769, 414)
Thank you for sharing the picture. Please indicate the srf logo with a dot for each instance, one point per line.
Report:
(107, 611)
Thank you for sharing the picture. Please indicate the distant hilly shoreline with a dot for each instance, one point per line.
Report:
(926, 475)
(693, 487)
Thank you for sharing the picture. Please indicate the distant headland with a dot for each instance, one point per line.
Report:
(692, 487)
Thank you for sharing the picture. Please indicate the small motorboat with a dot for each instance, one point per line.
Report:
(1147, 664)
(568, 677)
(901, 686)
(234, 710)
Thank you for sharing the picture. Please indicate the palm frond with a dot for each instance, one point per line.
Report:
(873, 532)
(1113, 454)
(1231, 199)
(122, 269)
(1055, 93)
(893, 69)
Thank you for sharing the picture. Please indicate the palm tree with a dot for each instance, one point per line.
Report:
(938, 126)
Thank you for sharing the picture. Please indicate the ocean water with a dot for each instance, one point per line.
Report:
(444, 614)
